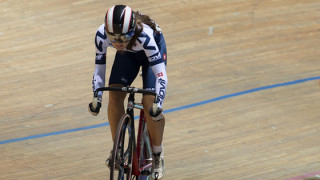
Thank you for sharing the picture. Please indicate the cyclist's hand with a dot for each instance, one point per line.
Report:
(94, 106)
(156, 113)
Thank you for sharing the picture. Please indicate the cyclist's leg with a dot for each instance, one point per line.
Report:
(156, 129)
(115, 109)
(124, 71)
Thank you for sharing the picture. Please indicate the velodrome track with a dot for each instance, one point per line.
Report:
(165, 111)
(242, 103)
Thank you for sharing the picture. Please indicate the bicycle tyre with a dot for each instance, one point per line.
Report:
(121, 161)
(145, 157)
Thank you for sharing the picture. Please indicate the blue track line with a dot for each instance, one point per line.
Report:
(167, 111)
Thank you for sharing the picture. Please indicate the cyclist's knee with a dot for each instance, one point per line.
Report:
(147, 102)
(116, 97)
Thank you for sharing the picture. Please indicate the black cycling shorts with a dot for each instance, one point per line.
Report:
(126, 66)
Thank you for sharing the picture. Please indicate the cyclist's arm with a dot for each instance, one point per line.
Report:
(161, 81)
(101, 45)
(98, 79)
(147, 43)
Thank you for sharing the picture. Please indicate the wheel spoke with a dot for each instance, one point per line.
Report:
(123, 146)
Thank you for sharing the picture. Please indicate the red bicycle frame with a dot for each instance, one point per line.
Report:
(139, 166)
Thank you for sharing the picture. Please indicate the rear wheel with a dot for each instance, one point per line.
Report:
(121, 161)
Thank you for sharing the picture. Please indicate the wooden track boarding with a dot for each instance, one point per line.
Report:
(243, 97)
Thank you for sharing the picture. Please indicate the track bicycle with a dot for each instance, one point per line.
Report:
(131, 158)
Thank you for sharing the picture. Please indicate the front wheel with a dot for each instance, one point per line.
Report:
(121, 161)
(145, 153)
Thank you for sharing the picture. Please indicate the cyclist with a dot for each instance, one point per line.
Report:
(139, 43)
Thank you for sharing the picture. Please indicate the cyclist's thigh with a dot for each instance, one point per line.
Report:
(125, 69)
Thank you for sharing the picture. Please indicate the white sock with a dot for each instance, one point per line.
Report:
(157, 149)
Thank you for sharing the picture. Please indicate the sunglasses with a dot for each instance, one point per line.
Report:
(120, 38)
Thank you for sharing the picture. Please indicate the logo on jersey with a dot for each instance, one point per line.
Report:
(162, 91)
(99, 57)
(146, 42)
(99, 40)
(164, 57)
(160, 74)
(94, 83)
(155, 57)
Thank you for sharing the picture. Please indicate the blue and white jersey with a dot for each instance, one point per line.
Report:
(145, 42)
